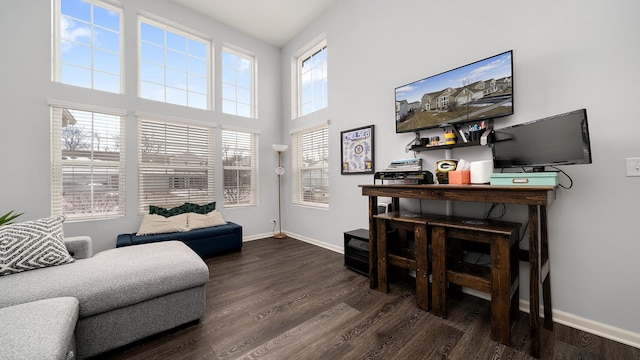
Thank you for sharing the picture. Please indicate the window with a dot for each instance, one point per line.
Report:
(174, 66)
(175, 164)
(312, 79)
(237, 83)
(239, 161)
(310, 168)
(88, 164)
(88, 45)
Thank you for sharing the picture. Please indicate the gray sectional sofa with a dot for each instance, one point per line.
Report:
(118, 296)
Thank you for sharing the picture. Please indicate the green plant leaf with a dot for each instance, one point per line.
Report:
(8, 217)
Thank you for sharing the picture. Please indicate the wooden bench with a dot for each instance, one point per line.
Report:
(395, 252)
(500, 279)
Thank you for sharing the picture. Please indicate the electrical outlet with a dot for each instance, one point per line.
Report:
(633, 166)
(273, 221)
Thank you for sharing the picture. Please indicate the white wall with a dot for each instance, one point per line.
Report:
(567, 55)
(26, 88)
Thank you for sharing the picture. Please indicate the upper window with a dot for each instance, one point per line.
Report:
(237, 83)
(174, 65)
(88, 164)
(310, 166)
(88, 45)
(175, 164)
(312, 79)
(239, 160)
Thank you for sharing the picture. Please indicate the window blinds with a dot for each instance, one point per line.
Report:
(87, 164)
(239, 160)
(310, 169)
(175, 164)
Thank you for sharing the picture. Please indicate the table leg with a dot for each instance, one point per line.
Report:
(534, 282)
(382, 256)
(373, 243)
(438, 271)
(546, 279)
(422, 266)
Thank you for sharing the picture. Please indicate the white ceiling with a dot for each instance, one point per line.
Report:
(273, 21)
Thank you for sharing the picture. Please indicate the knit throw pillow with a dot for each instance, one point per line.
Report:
(32, 245)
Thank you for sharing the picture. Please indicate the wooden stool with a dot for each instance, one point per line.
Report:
(411, 259)
(500, 279)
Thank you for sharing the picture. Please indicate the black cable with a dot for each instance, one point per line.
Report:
(567, 176)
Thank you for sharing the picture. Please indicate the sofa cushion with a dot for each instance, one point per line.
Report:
(198, 221)
(112, 278)
(32, 245)
(158, 224)
(39, 330)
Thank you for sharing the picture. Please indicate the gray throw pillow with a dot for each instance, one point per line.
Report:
(32, 245)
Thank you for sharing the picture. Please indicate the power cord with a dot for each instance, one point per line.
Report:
(567, 176)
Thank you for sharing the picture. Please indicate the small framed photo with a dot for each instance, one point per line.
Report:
(357, 151)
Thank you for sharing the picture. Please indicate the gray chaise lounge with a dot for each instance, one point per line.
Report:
(124, 294)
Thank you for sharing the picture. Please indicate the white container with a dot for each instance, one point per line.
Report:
(481, 171)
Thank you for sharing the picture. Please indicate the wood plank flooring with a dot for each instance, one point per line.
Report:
(286, 299)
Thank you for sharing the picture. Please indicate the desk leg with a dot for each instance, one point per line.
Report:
(422, 266)
(382, 256)
(546, 273)
(373, 243)
(534, 282)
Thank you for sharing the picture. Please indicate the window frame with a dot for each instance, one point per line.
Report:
(253, 80)
(298, 169)
(167, 166)
(56, 46)
(308, 55)
(58, 163)
(253, 168)
(189, 34)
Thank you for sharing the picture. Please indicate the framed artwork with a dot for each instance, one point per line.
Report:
(357, 151)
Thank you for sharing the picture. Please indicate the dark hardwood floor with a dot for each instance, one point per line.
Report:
(286, 299)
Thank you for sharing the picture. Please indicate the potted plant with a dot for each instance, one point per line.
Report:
(7, 218)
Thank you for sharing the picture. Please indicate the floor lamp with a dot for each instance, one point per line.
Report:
(279, 171)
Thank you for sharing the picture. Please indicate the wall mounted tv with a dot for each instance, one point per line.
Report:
(478, 91)
(557, 140)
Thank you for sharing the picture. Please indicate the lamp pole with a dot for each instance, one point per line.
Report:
(279, 170)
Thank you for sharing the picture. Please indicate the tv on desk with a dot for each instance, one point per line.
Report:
(556, 140)
(479, 91)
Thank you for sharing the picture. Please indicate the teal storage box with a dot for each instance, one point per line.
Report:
(532, 178)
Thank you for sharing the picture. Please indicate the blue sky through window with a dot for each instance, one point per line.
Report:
(173, 67)
(90, 46)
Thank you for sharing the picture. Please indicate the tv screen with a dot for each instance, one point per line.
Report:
(478, 91)
(557, 140)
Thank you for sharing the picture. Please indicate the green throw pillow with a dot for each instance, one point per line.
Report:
(167, 212)
(200, 209)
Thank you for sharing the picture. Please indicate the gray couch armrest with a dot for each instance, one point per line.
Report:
(80, 247)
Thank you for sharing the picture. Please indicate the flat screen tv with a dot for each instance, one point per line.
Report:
(557, 140)
(478, 91)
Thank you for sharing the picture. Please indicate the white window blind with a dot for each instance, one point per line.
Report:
(312, 79)
(239, 159)
(174, 65)
(237, 83)
(87, 45)
(88, 164)
(175, 164)
(310, 166)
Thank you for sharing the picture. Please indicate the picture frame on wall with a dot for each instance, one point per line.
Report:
(356, 151)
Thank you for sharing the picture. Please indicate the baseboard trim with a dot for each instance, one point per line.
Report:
(591, 326)
(561, 317)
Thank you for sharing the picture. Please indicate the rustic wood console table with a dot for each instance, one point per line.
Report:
(535, 197)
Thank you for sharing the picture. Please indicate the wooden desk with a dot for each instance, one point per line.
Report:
(535, 197)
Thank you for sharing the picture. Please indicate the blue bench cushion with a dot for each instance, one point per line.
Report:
(205, 241)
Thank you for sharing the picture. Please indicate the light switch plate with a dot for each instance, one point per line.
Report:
(633, 166)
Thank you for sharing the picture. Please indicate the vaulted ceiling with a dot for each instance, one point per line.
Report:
(273, 21)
